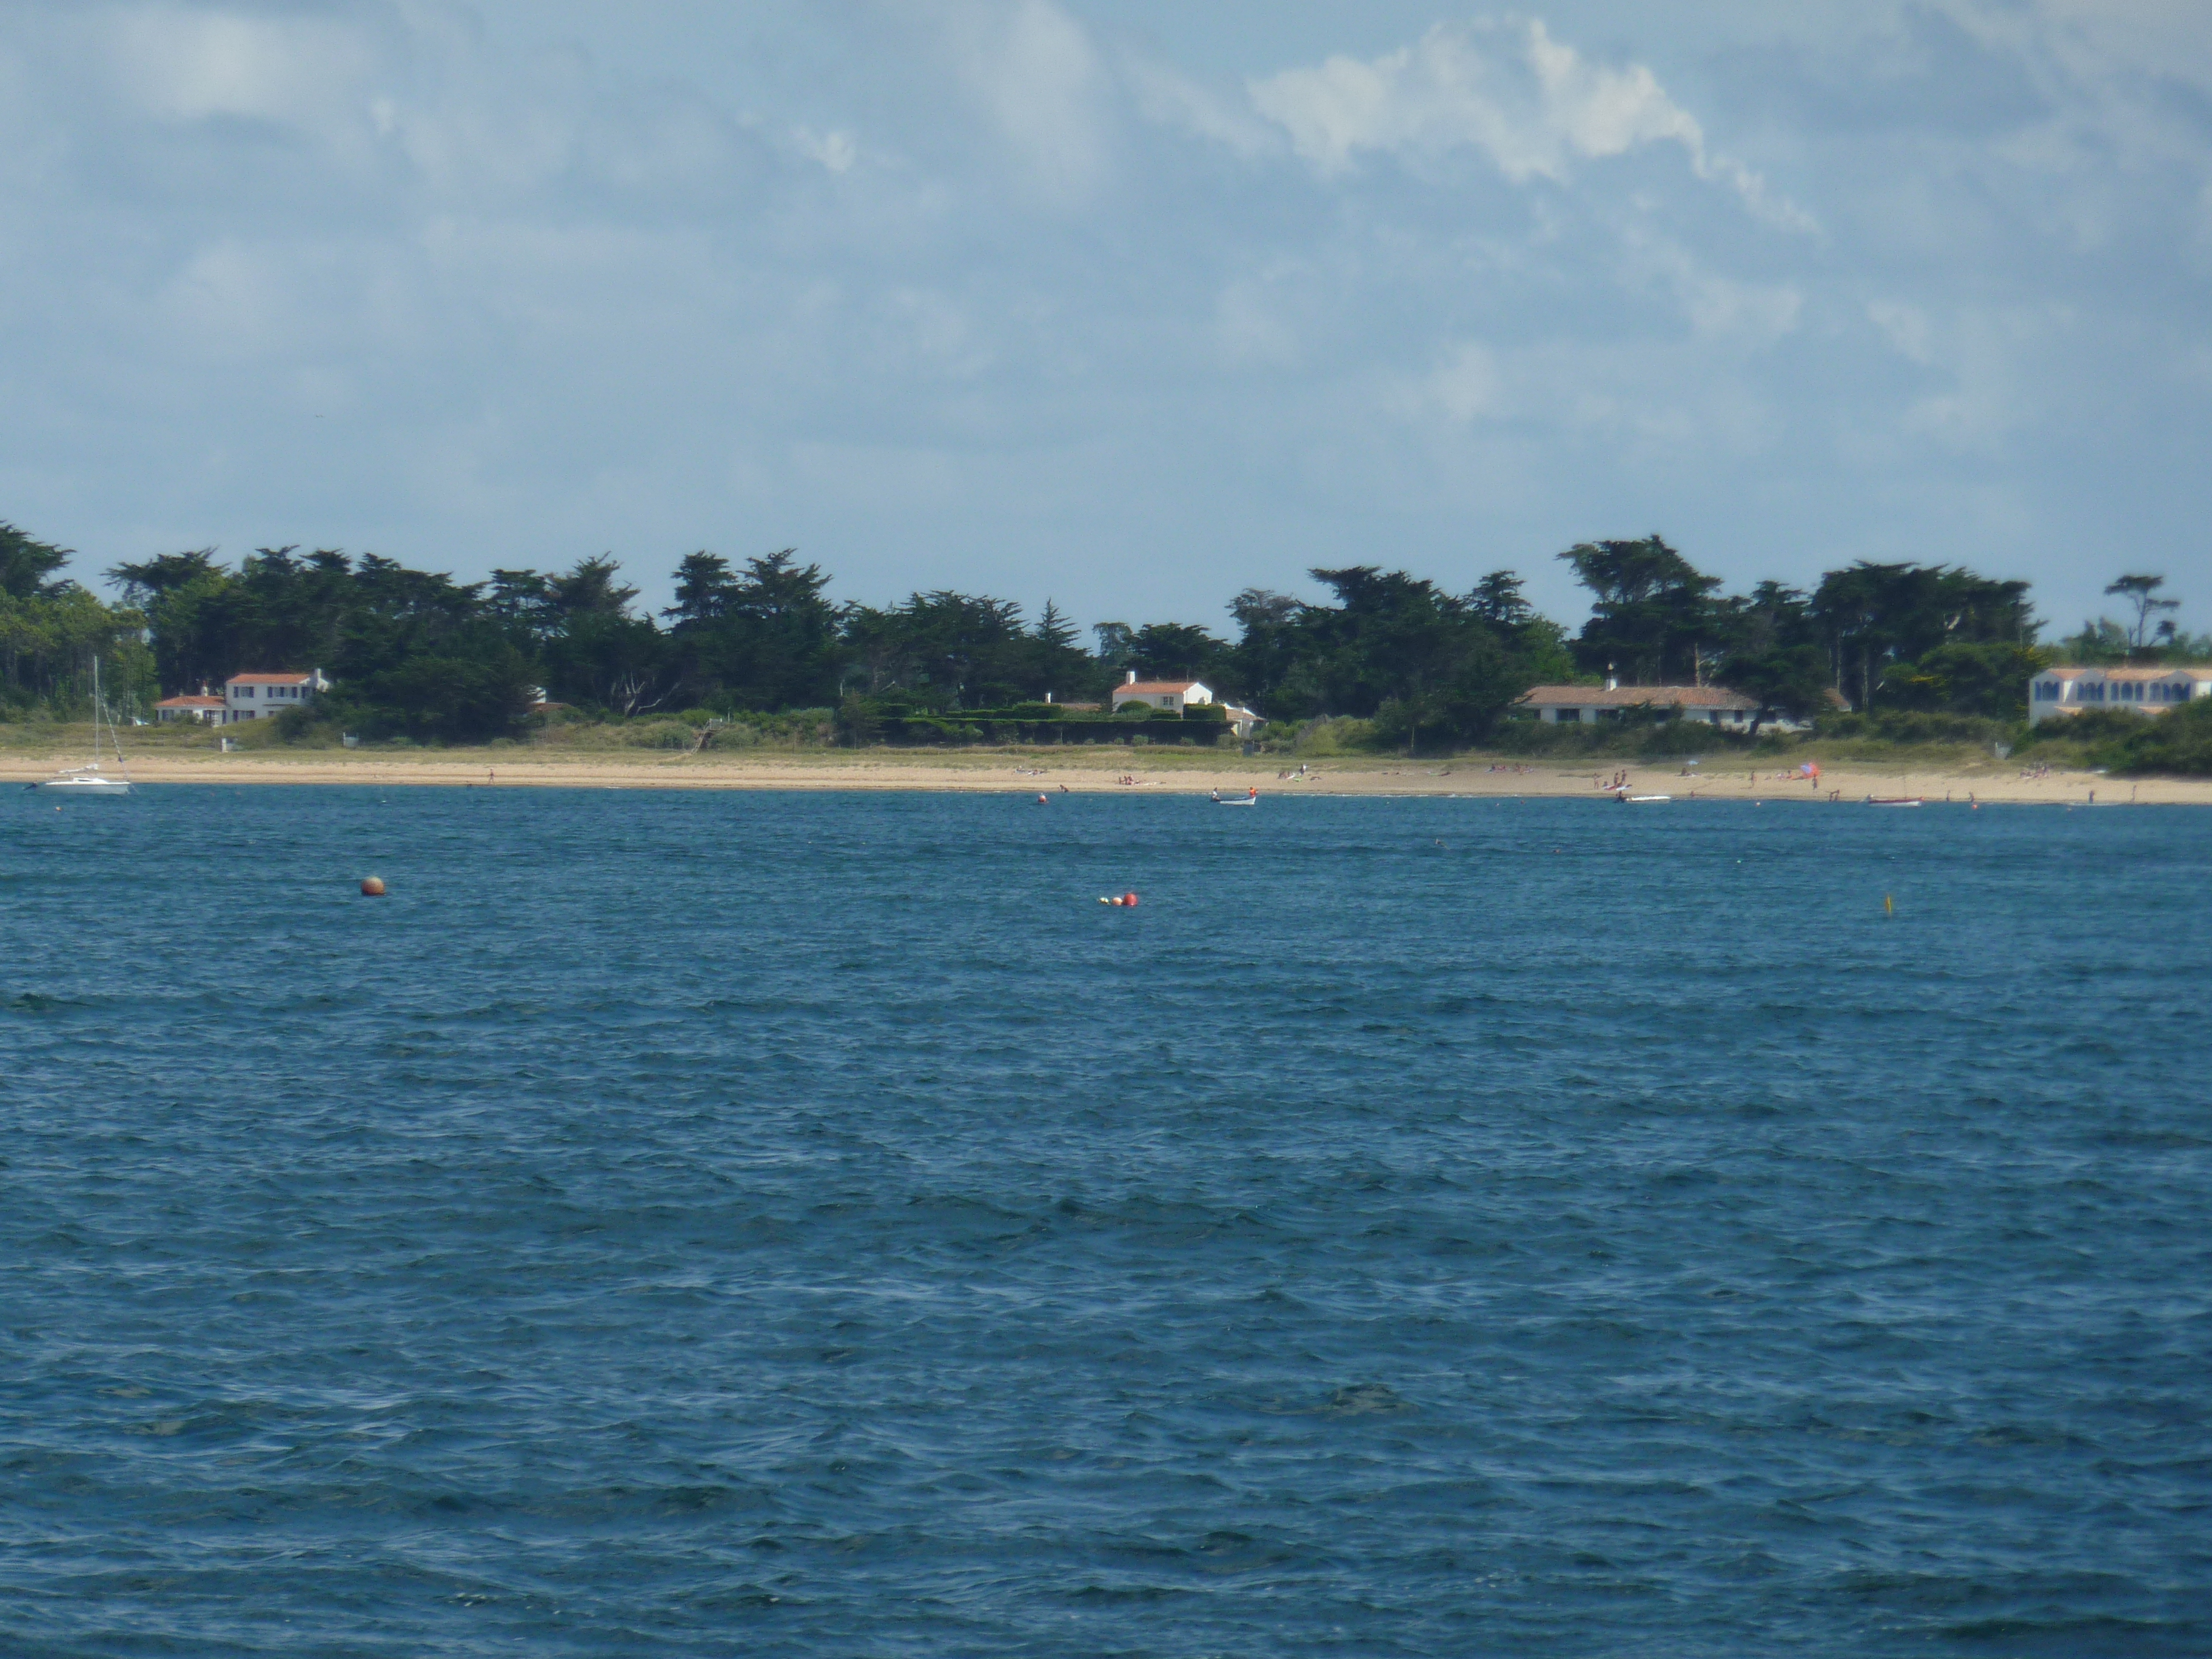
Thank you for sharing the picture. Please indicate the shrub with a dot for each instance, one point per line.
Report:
(654, 734)
(2091, 728)
(2179, 741)
(1333, 735)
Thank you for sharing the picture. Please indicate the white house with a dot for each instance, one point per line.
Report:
(1161, 694)
(205, 707)
(2059, 691)
(1179, 695)
(1709, 705)
(255, 697)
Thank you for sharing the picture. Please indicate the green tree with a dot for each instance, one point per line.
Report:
(26, 562)
(456, 696)
(1872, 616)
(591, 588)
(1652, 614)
(2141, 591)
(1177, 651)
(1989, 679)
(1061, 666)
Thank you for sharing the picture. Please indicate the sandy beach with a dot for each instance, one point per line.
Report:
(1090, 770)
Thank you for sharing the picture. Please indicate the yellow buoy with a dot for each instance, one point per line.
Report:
(1889, 905)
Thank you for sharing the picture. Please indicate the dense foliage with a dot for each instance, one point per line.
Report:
(51, 630)
(417, 655)
(1897, 637)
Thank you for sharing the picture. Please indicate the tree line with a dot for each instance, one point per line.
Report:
(415, 653)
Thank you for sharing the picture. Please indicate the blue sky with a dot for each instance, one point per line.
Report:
(1130, 305)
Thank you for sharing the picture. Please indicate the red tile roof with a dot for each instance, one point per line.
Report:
(1635, 696)
(189, 701)
(1153, 688)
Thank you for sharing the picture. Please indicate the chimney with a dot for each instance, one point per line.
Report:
(1612, 681)
(1129, 678)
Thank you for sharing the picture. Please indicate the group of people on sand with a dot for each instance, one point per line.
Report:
(2040, 769)
(1619, 781)
(1516, 770)
(1291, 777)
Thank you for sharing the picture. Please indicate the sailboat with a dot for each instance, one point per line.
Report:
(91, 779)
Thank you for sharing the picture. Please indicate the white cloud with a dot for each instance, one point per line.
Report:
(1534, 105)
(1173, 99)
(189, 64)
(1719, 309)
(1038, 76)
(833, 150)
(1466, 385)
(1904, 326)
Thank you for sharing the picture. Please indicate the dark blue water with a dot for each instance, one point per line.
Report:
(744, 1224)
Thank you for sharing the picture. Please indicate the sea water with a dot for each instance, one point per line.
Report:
(703, 1223)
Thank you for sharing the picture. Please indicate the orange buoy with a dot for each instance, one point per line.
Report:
(1128, 898)
(372, 887)
(1041, 800)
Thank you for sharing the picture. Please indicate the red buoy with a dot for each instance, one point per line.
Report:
(1128, 898)
(1041, 800)
(372, 887)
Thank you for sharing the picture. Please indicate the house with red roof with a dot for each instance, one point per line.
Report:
(203, 706)
(1179, 695)
(1706, 705)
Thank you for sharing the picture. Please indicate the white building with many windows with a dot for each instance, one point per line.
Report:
(2059, 691)
(257, 696)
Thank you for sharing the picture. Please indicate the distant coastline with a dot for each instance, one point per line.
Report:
(1088, 771)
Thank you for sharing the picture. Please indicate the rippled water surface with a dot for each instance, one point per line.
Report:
(744, 1223)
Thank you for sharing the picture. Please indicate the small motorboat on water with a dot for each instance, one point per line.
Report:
(91, 779)
(1627, 799)
(1895, 800)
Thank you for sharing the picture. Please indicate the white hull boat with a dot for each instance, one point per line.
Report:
(84, 781)
(90, 779)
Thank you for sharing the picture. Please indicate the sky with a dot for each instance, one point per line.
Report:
(1126, 304)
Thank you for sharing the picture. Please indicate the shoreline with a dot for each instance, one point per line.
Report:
(1089, 772)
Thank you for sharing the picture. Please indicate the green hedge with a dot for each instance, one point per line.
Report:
(977, 726)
